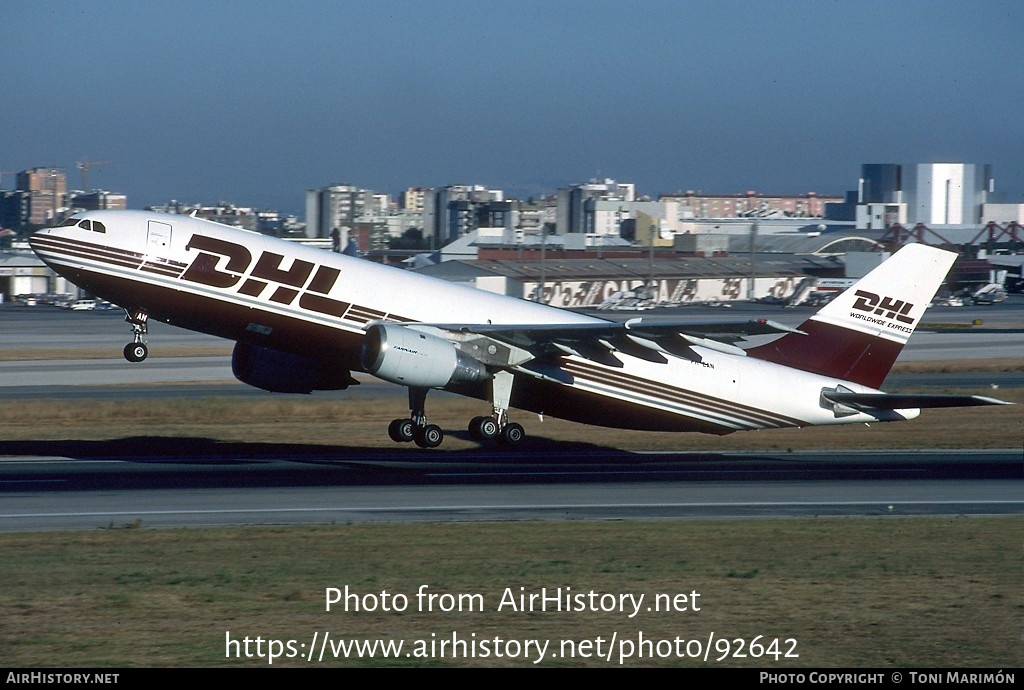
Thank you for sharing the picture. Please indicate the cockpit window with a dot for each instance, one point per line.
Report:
(86, 224)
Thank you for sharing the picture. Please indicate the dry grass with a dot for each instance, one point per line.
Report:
(362, 423)
(954, 366)
(853, 592)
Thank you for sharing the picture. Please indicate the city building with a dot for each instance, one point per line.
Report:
(456, 210)
(14, 209)
(933, 194)
(41, 196)
(268, 222)
(576, 215)
(412, 199)
(44, 180)
(338, 207)
(98, 200)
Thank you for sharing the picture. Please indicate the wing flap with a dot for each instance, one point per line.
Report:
(598, 340)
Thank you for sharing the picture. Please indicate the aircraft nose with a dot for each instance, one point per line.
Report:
(35, 237)
(43, 240)
(32, 239)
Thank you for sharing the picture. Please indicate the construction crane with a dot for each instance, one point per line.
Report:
(84, 167)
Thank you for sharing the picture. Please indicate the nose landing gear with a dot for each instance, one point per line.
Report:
(137, 351)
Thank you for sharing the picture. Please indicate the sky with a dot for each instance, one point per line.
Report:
(253, 103)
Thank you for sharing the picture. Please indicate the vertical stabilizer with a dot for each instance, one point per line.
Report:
(858, 335)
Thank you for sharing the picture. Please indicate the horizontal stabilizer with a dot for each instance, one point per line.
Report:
(908, 401)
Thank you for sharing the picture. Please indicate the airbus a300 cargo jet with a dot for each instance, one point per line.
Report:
(303, 319)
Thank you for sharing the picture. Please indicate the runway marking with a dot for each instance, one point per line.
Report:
(659, 471)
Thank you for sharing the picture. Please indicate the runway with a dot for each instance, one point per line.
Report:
(309, 485)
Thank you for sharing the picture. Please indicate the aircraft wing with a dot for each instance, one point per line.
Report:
(645, 338)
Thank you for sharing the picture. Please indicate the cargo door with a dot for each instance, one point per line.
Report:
(159, 240)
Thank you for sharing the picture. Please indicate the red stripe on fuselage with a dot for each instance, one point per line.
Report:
(720, 408)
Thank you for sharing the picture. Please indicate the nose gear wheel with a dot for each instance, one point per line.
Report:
(137, 351)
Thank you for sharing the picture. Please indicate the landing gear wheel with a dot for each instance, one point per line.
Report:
(401, 430)
(136, 352)
(429, 436)
(483, 428)
(512, 435)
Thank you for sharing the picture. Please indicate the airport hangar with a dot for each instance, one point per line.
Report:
(730, 259)
(23, 273)
(720, 270)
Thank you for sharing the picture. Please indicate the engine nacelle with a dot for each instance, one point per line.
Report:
(413, 358)
(284, 372)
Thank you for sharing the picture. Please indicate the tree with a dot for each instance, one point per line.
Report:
(410, 239)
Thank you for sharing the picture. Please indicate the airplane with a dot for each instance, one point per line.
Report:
(303, 319)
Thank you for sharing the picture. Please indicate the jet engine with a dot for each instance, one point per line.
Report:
(284, 372)
(413, 358)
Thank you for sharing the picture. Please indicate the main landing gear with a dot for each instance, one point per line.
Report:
(416, 428)
(486, 428)
(482, 429)
(136, 351)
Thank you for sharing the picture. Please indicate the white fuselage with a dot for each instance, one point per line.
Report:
(257, 289)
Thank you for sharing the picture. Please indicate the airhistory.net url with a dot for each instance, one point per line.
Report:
(455, 645)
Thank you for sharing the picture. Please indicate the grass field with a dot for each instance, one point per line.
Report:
(880, 592)
(363, 423)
